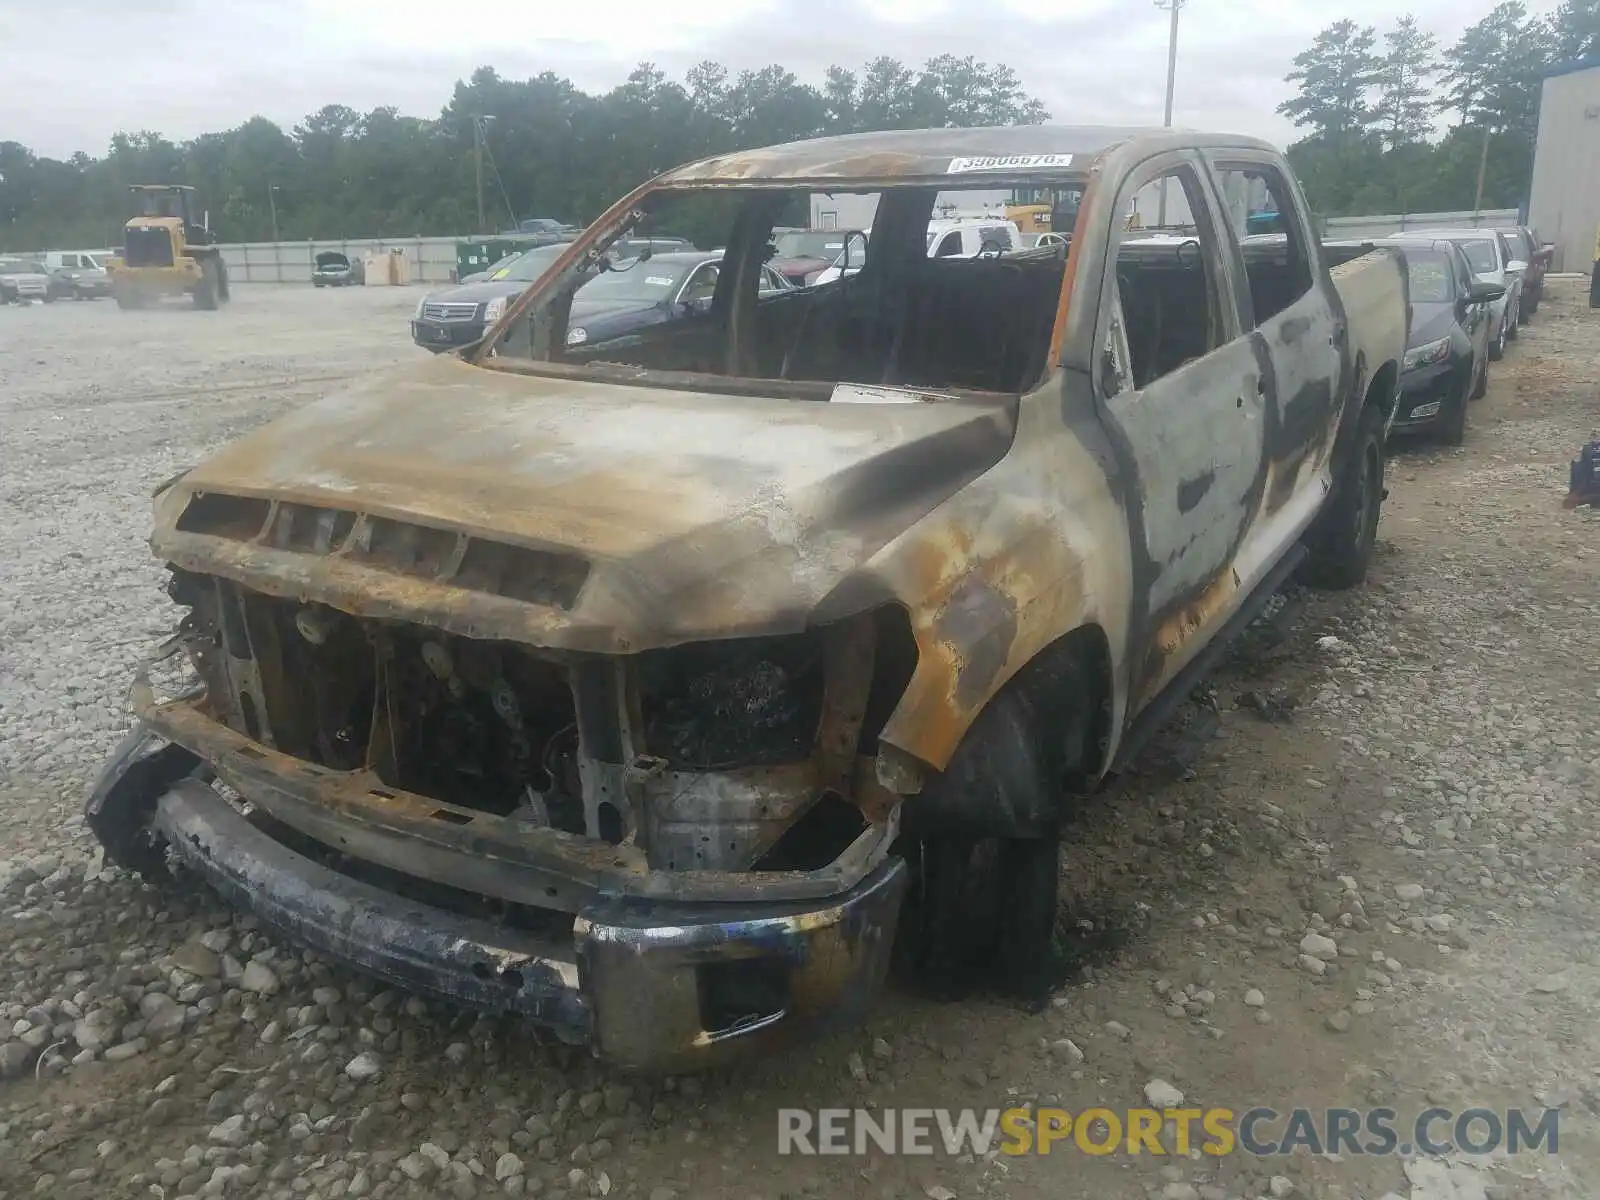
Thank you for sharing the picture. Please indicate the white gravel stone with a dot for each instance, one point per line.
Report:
(1162, 1094)
(364, 1066)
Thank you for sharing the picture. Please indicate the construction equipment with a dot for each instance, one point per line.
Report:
(167, 251)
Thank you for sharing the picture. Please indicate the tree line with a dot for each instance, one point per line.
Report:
(549, 149)
(1374, 109)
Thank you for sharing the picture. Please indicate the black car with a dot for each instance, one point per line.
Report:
(635, 292)
(457, 316)
(638, 293)
(1447, 356)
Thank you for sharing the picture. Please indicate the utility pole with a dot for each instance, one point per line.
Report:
(1483, 167)
(1174, 6)
(272, 203)
(480, 133)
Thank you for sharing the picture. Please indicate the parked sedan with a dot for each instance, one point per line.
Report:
(1447, 356)
(652, 291)
(1526, 246)
(1492, 262)
(22, 280)
(458, 315)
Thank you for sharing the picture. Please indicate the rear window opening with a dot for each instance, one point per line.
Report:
(805, 290)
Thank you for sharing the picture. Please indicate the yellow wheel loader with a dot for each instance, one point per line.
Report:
(166, 251)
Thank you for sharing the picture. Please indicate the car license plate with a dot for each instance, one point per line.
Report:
(441, 335)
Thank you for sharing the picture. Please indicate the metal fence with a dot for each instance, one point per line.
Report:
(1382, 226)
(431, 259)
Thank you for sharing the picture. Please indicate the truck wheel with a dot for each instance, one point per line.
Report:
(205, 292)
(1345, 531)
(981, 913)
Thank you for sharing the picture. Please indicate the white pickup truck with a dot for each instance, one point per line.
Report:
(654, 688)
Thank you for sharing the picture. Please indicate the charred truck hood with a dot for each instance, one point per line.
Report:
(574, 515)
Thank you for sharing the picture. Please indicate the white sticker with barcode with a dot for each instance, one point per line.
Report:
(1009, 162)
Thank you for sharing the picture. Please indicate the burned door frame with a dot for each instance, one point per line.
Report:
(1195, 440)
(1310, 375)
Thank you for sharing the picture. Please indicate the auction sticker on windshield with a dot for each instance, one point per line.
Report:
(658, 280)
(1009, 162)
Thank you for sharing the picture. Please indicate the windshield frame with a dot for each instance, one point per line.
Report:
(583, 253)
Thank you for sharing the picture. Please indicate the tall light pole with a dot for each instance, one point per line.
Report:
(480, 134)
(1174, 6)
(272, 203)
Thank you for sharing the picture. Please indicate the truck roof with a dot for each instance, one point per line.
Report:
(943, 155)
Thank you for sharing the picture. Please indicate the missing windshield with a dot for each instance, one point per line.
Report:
(801, 287)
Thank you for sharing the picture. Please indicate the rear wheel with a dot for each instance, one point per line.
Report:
(1341, 540)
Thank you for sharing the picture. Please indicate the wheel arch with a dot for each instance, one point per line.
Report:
(1052, 723)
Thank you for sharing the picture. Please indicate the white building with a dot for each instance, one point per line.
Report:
(1564, 205)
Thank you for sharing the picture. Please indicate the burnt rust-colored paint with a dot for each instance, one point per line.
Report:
(982, 621)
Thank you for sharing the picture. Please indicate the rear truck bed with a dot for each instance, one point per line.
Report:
(1373, 287)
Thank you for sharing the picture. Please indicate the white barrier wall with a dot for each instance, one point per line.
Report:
(428, 260)
(1355, 228)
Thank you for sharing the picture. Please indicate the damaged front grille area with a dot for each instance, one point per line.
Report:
(749, 755)
(532, 576)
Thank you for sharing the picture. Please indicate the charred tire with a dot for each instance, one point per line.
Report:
(983, 839)
(123, 800)
(981, 915)
(1480, 381)
(1346, 530)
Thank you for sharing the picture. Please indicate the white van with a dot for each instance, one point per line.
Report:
(968, 237)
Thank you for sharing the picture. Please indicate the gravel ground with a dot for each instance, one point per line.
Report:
(1359, 873)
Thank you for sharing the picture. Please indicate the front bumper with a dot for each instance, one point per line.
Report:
(1425, 394)
(650, 984)
(443, 335)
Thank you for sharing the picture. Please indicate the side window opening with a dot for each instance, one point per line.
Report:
(1166, 308)
(950, 247)
(1279, 266)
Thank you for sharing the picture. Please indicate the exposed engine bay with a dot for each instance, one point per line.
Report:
(738, 755)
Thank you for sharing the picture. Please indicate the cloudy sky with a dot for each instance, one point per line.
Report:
(99, 66)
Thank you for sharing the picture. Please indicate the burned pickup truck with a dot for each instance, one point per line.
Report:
(662, 691)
